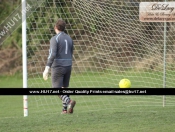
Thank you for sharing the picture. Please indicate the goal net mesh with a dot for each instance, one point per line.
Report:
(110, 43)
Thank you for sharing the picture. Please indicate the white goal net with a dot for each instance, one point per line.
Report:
(110, 43)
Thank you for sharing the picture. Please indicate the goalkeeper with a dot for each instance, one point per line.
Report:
(60, 62)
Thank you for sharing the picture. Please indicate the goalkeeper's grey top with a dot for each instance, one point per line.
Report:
(61, 50)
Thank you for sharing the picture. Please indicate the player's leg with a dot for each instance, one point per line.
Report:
(66, 81)
(57, 77)
(57, 74)
(64, 110)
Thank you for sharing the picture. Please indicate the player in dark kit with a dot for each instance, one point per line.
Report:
(60, 62)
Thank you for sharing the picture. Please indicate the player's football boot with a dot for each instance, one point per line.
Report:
(71, 107)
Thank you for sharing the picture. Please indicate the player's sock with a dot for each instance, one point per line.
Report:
(65, 99)
(64, 106)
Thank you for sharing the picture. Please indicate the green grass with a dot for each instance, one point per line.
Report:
(91, 114)
(11, 81)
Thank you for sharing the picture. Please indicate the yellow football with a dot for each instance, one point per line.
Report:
(125, 83)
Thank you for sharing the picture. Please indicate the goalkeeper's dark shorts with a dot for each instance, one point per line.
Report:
(60, 76)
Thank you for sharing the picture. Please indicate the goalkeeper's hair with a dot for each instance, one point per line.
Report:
(60, 25)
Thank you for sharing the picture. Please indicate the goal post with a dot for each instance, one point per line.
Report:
(110, 43)
(164, 62)
(24, 58)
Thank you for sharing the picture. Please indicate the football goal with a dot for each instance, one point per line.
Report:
(110, 43)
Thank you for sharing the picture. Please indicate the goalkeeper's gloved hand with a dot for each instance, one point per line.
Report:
(46, 73)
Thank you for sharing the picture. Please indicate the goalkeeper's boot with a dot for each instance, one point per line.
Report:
(64, 112)
(71, 106)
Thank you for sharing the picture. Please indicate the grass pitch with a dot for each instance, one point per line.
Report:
(91, 114)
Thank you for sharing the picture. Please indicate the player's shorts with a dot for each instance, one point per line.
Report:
(61, 76)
